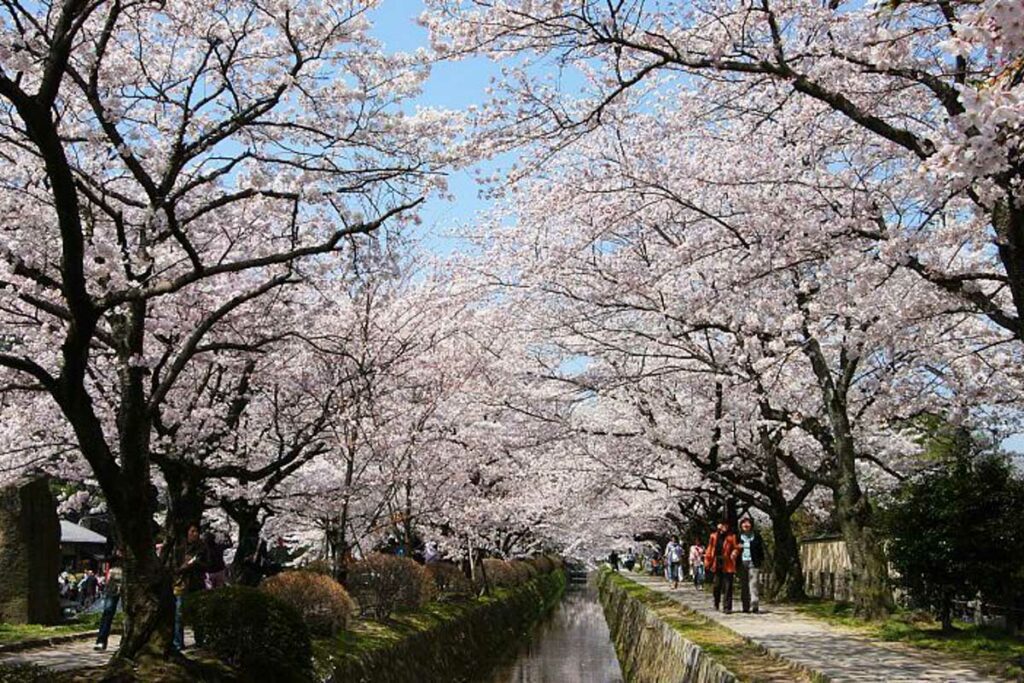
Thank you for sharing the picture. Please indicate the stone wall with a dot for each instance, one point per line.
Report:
(29, 554)
(651, 651)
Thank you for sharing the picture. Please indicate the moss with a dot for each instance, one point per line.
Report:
(25, 673)
(441, 641)
(992, 650)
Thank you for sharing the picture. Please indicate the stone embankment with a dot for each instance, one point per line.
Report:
(649, 648)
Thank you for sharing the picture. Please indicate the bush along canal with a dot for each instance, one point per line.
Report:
(444, 642)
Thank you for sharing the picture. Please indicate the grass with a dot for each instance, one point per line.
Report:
(746, 661)
(16, 633)
(990, 649)
(366, 635)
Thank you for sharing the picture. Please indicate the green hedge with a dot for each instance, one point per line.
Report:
(445, 643)
(262, 636)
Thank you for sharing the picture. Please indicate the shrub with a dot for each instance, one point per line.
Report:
(383, 583)
(253, 631)
(318, 567)
(449, 580)
(524, 571)
(956, 531)
(542, 563)
(324, 605)
(500, 573)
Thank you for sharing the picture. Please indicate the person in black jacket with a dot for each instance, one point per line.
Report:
(751, 559)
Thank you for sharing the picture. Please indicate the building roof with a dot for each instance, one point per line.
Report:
(73, 533)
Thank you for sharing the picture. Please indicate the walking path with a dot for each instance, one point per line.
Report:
(71, 655)
(76, 654)
(841, 656)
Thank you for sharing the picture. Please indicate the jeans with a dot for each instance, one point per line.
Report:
(698, 575)
(107, 620)
(723, 590)
(748, 585)
(179, 623)
(673, 571)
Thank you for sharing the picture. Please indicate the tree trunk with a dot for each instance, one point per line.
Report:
(148, 598)
(1008, 221)
(187, 503)
(247, 518)
(872, 597)
(339, 549)
(946, 612)
(787, 573)
(483, 571)
(149, 607)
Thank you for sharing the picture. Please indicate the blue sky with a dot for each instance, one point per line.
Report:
(452, 85)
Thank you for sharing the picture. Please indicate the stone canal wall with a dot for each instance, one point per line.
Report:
(457, 645)
(650, 650)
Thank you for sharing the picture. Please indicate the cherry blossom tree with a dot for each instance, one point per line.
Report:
(738, 309)
(168, 168)
(937, 84)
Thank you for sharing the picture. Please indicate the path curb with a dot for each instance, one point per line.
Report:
(23, 645)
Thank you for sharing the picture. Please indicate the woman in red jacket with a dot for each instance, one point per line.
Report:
(720, 558)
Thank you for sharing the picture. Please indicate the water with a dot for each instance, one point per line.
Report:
(571, 646)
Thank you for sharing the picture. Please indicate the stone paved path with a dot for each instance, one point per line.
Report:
(840, 655)
(76, 654)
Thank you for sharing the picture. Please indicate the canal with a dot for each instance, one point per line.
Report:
(571, 646)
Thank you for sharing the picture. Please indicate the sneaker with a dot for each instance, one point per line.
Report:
(99, 647)
(755, 609)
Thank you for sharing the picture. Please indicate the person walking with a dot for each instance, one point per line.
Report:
(697, 563)
(189, 578)
(674, 561)
(751, 558)
(111, 596)
(215, 569)
(87, 589)
(720, 558)
(613, 560)
(430, 553)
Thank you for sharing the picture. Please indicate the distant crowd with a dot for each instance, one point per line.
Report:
(726, 558)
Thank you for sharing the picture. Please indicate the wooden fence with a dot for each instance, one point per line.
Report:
(826, 568)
